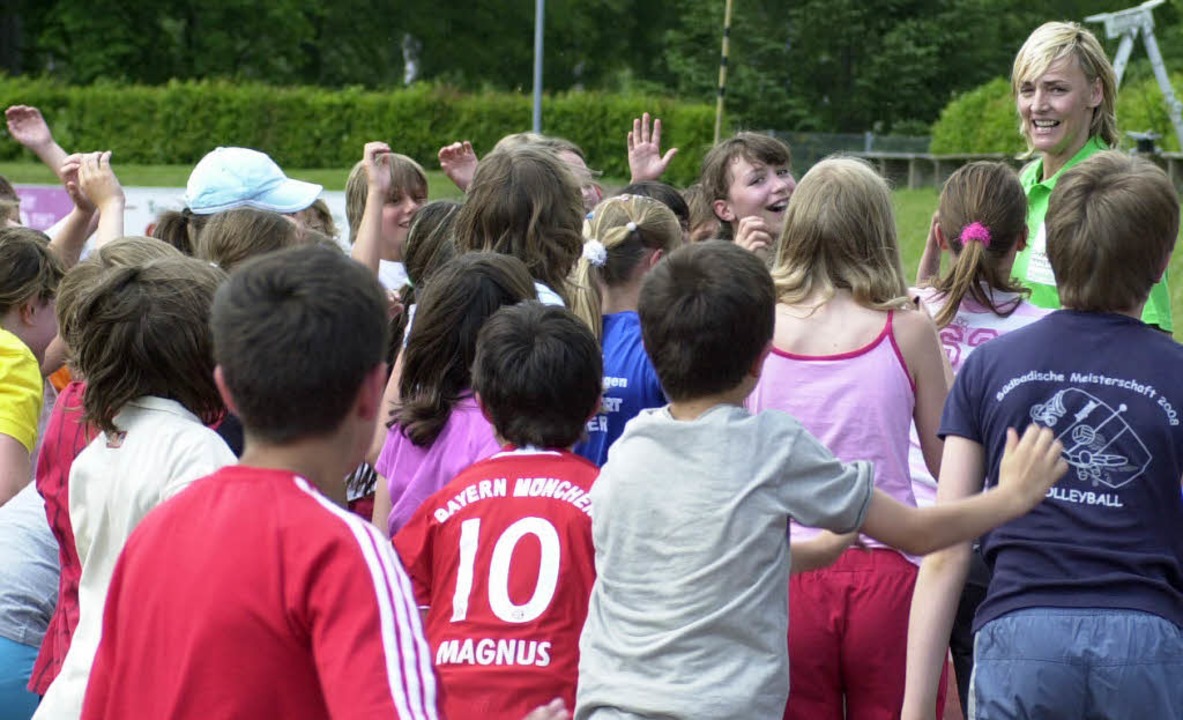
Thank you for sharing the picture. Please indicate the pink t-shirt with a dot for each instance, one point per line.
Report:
(415, 473)
(973, 325)
(858, 404)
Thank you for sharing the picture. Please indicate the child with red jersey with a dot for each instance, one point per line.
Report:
(254, 594)
(503, 556)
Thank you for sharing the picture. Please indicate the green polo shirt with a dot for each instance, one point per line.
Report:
(1031, 265)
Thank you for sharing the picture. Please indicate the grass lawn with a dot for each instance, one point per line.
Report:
(913, 208)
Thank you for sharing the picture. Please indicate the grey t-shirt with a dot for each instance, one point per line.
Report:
(28, 568)
(689, 612)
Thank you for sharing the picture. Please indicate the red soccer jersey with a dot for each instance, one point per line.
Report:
(503, 556)
(66, 435)
(249, 595)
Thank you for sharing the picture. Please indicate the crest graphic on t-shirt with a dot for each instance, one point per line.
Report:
(1098, 443)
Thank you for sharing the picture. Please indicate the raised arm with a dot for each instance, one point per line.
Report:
(28, 128)
(367, 249)
(645, 160)
(81, 222)
(930, 259)
(99, 183)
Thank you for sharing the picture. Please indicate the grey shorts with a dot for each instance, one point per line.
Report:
(1077, 664)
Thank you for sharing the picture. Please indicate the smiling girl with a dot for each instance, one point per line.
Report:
(748, 182)
(1066, 94)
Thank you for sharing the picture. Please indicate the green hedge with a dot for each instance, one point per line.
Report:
(314, 127)
(983, 120)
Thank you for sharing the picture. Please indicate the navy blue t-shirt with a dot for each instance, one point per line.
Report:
(630, 385)
(1110, 533)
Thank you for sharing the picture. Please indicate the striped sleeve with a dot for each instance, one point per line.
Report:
(367, 640)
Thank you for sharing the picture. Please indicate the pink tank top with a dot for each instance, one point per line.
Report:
(858, 404)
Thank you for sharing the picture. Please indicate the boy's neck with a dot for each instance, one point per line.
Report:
(622, 298)
(317, 460)
(694, 408)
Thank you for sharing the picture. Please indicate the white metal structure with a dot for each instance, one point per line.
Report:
(1127, 24)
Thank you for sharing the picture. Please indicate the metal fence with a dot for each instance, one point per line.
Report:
(808, 148)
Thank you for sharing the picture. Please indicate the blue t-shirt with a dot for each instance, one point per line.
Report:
(630, 385)
(1109, 534)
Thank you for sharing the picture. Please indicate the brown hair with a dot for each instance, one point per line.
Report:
(180, 228)
(233, 236)
(319, 217)
(429, 241)
(145, 331)
(839, 234)
(1111, 224)
(10, 210)
(539, 372)
(437, 362)
(989, 194)
(704, 224)
(707, 312)
(406, 178)
(29, 269)
(716, 174)
(526, 203)
(7, 191)
(296, 332)
(654, 227)
(121, 252)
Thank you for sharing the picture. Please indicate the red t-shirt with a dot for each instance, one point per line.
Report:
(66, 435)
(250, 595)
(503, 557)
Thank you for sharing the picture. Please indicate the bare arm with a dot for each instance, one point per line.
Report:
(1029, 468)
(819, 552)
(27, 127)
(15, 467)
(942, 575)
(367, 249)
(932, 375)
(930, 260)
(98, 182)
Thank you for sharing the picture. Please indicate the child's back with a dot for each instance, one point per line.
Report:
(502, 556)
(693, 562)
(243, 603)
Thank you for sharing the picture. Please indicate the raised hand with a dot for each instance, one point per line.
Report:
(754, 234)
(376, 160)
(27, 127)
(69, 175)
(97, 181)
(459, 161)
(645, 160)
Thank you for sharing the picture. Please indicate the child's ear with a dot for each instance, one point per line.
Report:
(656, 255)
(220, 382)
(723, 211)
(758, 366)
(1021, 245)
(369, 400)
(480, 402)
(595, 408)
(942, 242)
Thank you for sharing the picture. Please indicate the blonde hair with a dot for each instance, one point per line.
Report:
(627, 228)
(1111, 224)
(232, 237)
(1055, 40)
(525, 202)
(131, 251)
(839, 234)
(406, 178)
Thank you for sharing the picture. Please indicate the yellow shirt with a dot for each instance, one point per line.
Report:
(20, 390)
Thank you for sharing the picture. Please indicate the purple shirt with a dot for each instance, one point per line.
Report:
(415, 473)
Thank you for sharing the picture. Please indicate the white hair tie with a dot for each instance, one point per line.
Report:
(632, 226)
(595, 253)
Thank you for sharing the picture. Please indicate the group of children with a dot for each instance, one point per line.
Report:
(618, 471)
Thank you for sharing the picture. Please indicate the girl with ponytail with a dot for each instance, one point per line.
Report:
(624, 237)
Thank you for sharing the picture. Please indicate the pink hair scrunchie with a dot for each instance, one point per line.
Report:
(976, 231)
